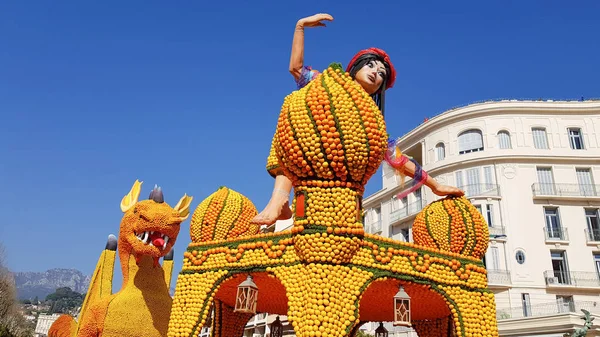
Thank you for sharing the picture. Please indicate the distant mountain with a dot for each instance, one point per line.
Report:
(40, 284)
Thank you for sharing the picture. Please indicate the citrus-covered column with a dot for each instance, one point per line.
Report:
(322, 298)
(474, 312)
(327, 222)
(226, 322)
(191, 304)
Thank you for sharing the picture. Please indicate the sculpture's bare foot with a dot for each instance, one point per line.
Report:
(275, 210)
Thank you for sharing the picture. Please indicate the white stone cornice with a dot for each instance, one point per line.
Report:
(498, 108)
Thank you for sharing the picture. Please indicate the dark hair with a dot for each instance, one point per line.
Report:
(379, 95)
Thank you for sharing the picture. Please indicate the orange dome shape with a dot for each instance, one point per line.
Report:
(454, 225)
(225, 214)
(330, 130)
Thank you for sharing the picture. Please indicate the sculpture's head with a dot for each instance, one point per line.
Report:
(150, 227)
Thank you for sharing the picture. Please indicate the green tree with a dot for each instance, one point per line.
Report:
(362, 333)
(64, 300)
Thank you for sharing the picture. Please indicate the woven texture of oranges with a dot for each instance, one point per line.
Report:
(225, 214)
(329, 130)
(452, 225)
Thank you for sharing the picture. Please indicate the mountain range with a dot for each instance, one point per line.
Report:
(41, 284)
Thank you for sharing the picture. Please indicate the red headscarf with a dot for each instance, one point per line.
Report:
(379, 52)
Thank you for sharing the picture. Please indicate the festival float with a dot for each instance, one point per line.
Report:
(326, 274)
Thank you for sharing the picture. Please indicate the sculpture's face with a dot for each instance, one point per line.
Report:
(371, 76)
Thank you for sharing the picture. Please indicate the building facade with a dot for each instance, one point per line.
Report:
(530, 167)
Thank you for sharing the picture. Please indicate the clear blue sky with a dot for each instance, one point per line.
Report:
(186, 95)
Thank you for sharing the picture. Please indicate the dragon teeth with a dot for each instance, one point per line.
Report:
(145, 238)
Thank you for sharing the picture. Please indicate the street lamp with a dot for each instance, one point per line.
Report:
(247, 296)
(276, 328)
(381, 331)
(402, 308)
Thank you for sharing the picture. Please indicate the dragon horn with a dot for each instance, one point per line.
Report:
(157, 195)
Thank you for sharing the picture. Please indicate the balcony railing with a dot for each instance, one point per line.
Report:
(544, 309)
(573, 278)
(498, 277)
(592, 235)
(565, 190)
(374, 227)
(410, 209)
(496, 231)
(485, 190)
(556, 234)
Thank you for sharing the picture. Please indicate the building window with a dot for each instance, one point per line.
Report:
(459, 179)
(553, 227)
(473, 182)
(545, 180)
(494, 263)
(489, 179)
(474, 185)
(597, 263)
(540, 140)
(504, 140)
(470, 141)
(592, 219)
(489, 214)
(560, 268)
(565, 303)
(394, 204)
(405, 234)
(585, 181)
(375, 221)
(440, 151)
(575, 138)
(418, 195)
(520, 257)
(526, 304)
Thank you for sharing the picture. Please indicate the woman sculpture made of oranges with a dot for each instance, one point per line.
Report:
(374, 72)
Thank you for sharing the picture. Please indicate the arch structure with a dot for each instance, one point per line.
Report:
(326, 274)
(447, 288)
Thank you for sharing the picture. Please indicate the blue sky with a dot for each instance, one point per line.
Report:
(94, 95)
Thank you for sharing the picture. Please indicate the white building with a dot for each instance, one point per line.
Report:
(530, 167)
(44, 322)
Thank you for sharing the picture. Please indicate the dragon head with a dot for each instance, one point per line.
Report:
(150, 227)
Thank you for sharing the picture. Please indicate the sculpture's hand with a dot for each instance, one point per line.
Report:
(315, 20)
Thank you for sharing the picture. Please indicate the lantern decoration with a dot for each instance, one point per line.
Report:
(402, 308)
(247, 295)
(276, 328)
(381, 331)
